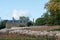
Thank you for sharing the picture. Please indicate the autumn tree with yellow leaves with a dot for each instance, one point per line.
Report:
(53, 7)
(52, 16)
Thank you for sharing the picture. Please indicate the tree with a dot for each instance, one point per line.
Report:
(30, 23)
(53, 7)
(3, 24)
(52, 16)
(40, 21)
(24, 19)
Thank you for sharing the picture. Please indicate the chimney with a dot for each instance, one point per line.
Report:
(13, 19)
(33, 21)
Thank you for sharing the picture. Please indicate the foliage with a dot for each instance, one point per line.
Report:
(29, 23)
(52, 16)
(53, 7)
(24, 19)
(40, 21)
(3, 24)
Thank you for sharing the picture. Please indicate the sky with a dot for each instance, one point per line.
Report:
(16, 8)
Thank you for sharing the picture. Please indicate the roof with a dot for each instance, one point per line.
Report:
(17, 21)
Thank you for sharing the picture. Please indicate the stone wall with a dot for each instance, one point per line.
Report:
(9, 25)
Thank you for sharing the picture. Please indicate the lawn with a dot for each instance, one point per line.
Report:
(27, 38)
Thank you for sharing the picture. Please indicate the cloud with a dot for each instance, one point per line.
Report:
(14, 14)
(17, 13)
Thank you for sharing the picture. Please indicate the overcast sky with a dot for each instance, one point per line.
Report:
(15, 8)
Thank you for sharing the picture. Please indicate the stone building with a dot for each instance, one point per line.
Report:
(15, 23)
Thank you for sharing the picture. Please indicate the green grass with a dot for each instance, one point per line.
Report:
(28, 38)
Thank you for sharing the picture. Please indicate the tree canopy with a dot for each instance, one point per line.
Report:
(53, 7)
(3, 24)
(40, 21)
(26, 20)
(52, 16)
